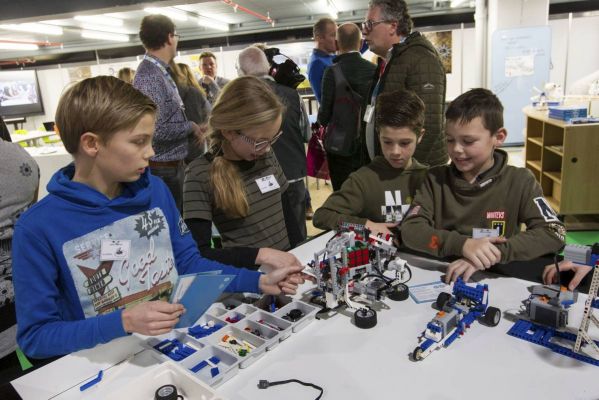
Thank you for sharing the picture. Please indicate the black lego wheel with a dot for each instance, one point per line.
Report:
(492, 316)
(417, 354)
(442, 299)
(365, 318)
(399, 292)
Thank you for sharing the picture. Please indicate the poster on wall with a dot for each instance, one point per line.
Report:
(520, 61)
(442, 42)
(78, 73)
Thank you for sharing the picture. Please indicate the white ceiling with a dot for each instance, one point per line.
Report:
(285, 14)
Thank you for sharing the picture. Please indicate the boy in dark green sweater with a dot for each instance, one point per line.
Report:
(473, 207)
(378, 194)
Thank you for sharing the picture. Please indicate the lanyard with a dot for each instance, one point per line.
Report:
(167, 76)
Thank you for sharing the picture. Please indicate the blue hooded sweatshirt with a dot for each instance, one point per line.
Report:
(80, 257)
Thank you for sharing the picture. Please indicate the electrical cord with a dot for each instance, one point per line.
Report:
(264, 384)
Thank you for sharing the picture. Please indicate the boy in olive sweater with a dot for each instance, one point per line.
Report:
(473, 207)
(378, 194)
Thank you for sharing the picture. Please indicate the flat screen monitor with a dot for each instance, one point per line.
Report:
(20, 94)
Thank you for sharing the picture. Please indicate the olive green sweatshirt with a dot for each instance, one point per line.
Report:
(377, 192)
(446, 210)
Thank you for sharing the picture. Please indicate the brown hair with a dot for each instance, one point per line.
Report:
(103, 105)
(349, 37)
(320, 27)
(477, 103)
(243, 103)
(400, 109)
(126, 74)
(155, 30)
(206, 54)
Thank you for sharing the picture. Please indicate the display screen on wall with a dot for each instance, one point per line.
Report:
(20, 94)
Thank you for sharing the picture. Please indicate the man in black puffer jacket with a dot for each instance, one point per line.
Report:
(407, 60)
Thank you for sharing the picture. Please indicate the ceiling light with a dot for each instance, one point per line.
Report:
(111, 29)
(172, 13)
(212, 24)
(18, 46)
(34, 28)
(117, 37)
(99, 19)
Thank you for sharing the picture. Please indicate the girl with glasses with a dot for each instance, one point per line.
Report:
(238, 183)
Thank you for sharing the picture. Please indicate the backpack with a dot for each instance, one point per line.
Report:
(343, 131)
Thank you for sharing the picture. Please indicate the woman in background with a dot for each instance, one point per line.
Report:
(197, 107)
(126, 74)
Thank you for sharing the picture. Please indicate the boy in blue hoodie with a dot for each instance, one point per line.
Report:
(108, 237)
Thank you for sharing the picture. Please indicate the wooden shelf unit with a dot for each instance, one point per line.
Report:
(564, 158)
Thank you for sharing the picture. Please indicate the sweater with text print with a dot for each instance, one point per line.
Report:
(80, 258)
(447, 209)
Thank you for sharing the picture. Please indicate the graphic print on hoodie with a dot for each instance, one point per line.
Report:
(128, 261)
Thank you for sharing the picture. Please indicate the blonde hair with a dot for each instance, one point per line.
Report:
(183, 76)
(245, 102)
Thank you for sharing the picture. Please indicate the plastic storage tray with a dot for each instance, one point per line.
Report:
(252, 327)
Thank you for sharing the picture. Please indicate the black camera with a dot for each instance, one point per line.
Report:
(283, 69)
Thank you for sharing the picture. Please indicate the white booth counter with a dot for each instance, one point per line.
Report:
(351, 363)
(49, 159)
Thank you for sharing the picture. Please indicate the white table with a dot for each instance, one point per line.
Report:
(350, 363)
(31, 137)
(49, 159)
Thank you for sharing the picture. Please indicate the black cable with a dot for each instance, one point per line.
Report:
(264, 384)
(559, 278)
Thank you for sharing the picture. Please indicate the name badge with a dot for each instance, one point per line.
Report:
(368, 113)
(479, 233)
(115, 250)
(267, 183)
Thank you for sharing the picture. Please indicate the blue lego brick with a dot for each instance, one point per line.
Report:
(461, 290)
(542, 336)
(202, 364)
(426, 344)
(433, 327)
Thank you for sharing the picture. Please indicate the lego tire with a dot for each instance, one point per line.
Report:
(442, 299)
(399, 293)
(491, 317)
(365, 318)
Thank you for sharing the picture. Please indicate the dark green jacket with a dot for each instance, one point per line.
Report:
(415, 65)
(447, 207)
(364, 194)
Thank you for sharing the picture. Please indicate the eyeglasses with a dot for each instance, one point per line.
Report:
(261, 145)
(369, 24)
(177, 35)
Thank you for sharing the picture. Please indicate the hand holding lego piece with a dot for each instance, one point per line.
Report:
(380, 227)
(282, 280)
(151, 317)
(461, 267)
(580, 271)
(482, 252)
(275, 259)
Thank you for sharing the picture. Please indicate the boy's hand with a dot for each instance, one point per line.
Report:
(151, 317)
(580, 271)
(282, 280)
(276, 258)
(458, 268)
(380, 227)
(482, 252)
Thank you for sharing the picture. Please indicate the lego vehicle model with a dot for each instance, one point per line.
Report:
(353, 264)
(545, 315)
(456, 314)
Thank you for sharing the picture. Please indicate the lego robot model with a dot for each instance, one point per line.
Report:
(352, 265)
(456, 314)
(547, 308)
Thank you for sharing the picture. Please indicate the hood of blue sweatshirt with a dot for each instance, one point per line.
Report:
(134, 194)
